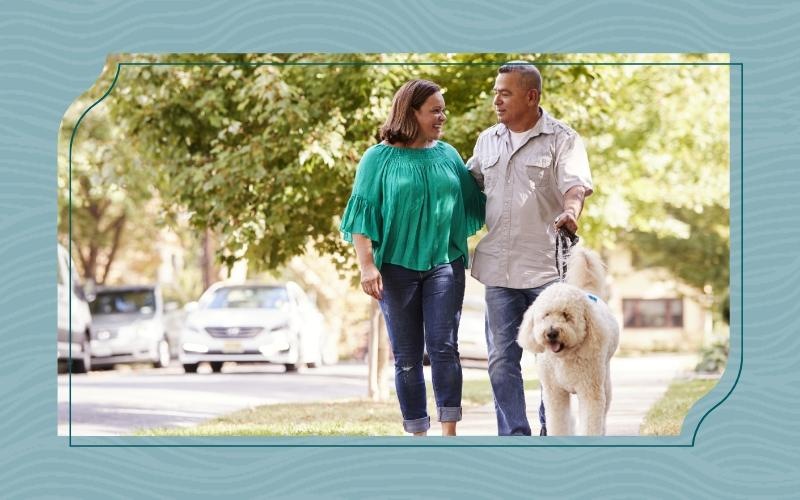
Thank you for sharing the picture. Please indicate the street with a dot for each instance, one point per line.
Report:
(118, 402)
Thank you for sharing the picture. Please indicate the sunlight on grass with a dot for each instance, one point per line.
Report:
(666, 417)
(359, 417)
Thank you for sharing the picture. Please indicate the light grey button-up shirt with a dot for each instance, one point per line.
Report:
(524, 193)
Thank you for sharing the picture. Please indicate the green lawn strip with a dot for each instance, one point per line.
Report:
(666, 417)
(340, 418)
(360, 417)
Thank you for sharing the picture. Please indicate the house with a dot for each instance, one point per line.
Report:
(655, 311)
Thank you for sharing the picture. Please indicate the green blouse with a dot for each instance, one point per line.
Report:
(418, 206)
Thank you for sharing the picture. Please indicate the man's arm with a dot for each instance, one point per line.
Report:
(474, 165)
(573, 205)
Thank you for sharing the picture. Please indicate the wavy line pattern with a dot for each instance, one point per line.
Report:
(747, 447)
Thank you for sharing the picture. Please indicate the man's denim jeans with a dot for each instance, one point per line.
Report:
(504, 310)
(423, 309)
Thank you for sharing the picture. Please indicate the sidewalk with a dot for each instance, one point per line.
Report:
(638, 383)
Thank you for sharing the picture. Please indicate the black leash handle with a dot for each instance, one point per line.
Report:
(565, 240)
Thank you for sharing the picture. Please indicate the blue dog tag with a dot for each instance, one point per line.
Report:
(593, 298)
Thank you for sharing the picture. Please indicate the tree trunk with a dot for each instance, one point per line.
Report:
(207, 260)
(378, 356)
(118, 225)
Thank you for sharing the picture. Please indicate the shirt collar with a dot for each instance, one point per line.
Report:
(543, 126)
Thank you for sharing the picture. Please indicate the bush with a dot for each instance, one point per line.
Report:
(713, 358)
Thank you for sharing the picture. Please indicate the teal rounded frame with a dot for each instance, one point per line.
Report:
(469, 442)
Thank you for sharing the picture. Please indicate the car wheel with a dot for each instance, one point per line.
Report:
(190, 368)
(84, 363)
(311, 365)
(290, 367)
(216, 366)
(164, 355)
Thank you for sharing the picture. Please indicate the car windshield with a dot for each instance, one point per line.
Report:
(124, 302)
(248, 298)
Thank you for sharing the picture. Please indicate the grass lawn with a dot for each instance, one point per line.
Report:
(666, 417)
(342, 418)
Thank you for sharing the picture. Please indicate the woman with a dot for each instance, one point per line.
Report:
(413, 206)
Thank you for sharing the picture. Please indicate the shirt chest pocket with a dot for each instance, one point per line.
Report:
(540, 172)
(489, 170)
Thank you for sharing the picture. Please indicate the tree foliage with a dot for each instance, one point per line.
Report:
(262, 149)
(107, 192)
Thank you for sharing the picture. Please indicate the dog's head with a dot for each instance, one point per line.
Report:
(557, 321)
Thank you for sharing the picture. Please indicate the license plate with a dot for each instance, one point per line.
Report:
(232, 347)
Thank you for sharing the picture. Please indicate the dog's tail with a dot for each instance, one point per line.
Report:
(586, 270)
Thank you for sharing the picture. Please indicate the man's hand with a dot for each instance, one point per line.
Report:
(568, 220)
(371, 281)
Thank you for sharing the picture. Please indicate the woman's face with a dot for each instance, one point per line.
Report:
(430, 117)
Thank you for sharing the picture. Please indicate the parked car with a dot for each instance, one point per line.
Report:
(129, 326)
(252, 322)
(74, 318)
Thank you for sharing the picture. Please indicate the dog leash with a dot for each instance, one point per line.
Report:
(565, 240)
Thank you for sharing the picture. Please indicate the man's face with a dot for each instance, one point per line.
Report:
(515, 106)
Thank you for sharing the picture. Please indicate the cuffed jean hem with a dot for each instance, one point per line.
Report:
(417, 425)
(449, 413)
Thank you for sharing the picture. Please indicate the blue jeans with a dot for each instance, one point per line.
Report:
(423, 309)
(504, 310)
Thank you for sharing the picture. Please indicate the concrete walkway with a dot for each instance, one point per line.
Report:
(638, 383)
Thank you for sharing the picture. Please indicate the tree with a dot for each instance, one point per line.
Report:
(106, 193)
(260, 153)
(261, 149)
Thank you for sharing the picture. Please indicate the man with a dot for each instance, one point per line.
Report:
(535, 173)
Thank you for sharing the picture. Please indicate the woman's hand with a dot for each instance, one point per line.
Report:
(371, 281)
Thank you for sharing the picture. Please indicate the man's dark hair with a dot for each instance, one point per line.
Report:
(531, 77)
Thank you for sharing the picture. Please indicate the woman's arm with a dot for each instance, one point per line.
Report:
(371, 281)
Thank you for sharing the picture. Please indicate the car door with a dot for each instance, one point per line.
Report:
(63, 296)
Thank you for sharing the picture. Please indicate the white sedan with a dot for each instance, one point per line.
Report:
(252, 323)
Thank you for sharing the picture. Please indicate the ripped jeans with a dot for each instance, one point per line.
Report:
(423, 309)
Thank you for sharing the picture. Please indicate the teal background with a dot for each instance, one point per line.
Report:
(746, 447)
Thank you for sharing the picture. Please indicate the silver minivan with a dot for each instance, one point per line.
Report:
(128, 326)
(74, 318)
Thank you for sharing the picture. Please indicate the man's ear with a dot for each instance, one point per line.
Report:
(534, 96)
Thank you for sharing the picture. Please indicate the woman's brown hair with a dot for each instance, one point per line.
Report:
(401, 125)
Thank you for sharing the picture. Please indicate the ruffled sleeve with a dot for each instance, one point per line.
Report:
(361, 217)
(362, 214)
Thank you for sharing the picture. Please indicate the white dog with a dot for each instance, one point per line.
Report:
(573, 328)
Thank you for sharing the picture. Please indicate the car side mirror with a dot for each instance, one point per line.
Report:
(191, 307)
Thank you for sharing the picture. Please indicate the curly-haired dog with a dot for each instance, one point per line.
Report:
(573, 328)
